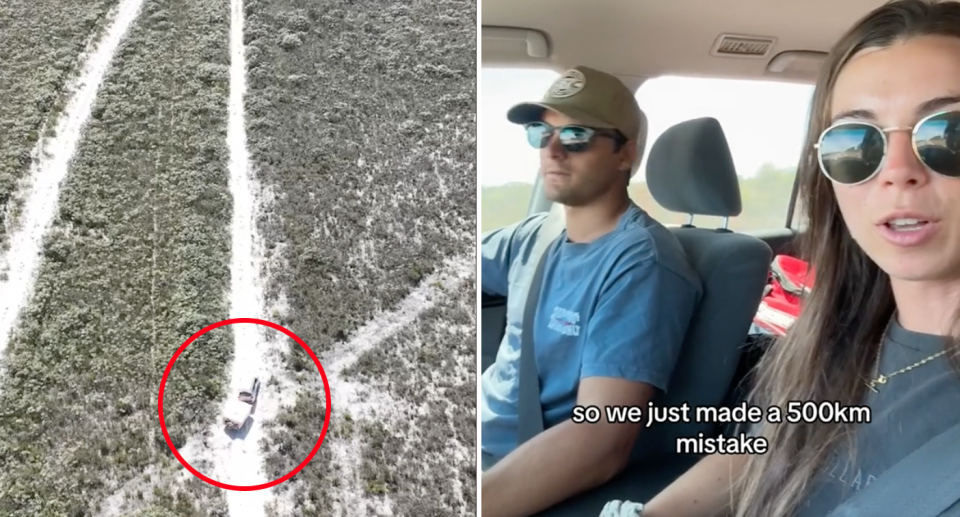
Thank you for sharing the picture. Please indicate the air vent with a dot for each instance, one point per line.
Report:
(732, 45)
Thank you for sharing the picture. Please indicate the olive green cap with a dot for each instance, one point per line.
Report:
(590, 97)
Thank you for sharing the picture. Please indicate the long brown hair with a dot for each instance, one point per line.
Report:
(833, 345)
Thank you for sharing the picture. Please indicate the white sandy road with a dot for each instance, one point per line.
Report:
(236, 456)
(52, 160)
(238, 461)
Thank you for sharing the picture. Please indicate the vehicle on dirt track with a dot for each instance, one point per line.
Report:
(238, 410)
(250, 395)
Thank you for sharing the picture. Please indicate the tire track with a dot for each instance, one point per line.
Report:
(236, 457)
(366, 402)
(137, 259)
(238, 461)
(46, 173)
(43, 45)
(419, 450)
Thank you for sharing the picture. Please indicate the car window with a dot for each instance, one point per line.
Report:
(508, 165)
(764, 122)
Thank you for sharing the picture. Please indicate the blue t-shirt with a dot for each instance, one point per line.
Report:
(615, 307)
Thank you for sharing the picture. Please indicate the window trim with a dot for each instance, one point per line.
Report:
(792, 206)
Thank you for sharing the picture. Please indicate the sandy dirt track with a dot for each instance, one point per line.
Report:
(51, 161)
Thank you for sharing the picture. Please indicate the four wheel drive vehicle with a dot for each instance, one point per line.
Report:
(238, 410)
(250, 395)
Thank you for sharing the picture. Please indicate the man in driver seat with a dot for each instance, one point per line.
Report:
(617, 296)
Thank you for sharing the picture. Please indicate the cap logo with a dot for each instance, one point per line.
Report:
(569, 85)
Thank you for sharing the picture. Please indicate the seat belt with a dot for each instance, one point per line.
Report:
(530, 419)
(924, 484)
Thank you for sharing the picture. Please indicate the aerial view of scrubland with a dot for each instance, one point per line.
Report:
(166, 165)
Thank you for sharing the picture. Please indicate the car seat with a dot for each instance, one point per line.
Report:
(690, 170)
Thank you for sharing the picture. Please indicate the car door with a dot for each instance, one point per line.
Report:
(493, 321)
(493, 315)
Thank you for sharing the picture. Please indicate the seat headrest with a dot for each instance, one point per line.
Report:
(690, 170)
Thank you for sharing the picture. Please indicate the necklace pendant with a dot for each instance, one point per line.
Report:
(882, 379)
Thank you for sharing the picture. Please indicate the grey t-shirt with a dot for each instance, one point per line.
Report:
(909, 410)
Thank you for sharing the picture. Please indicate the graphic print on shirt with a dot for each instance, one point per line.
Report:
(565, 321)
(841, 471)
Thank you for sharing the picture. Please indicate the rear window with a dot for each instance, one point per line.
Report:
(764, 122)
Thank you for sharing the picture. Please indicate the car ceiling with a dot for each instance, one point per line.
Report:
(639, 39)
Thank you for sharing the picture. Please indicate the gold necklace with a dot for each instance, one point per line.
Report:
(882, 379)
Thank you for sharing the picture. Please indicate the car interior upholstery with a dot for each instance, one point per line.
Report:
(690, 170)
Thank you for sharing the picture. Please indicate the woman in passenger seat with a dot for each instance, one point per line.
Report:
(880, 181)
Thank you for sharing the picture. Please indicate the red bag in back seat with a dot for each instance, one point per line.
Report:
(790, 281)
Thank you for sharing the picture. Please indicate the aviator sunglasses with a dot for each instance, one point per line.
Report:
(574, 138)
(853, 152)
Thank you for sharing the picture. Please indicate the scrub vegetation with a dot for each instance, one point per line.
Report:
(40, 41)
(361, 129)
(423, 452)
(361, 125)
(136, 262)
